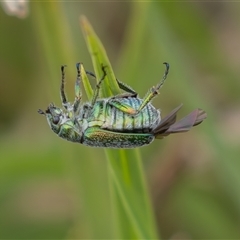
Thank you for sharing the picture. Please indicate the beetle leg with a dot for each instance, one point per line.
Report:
(91, 74)
(149, 96)
(121, 85)
(153, 92)
(123, 95)
(127, 88)
(122, 106)
(62, 92)
(78, 94)
(96, 92)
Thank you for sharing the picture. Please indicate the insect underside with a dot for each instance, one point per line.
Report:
(122, 121)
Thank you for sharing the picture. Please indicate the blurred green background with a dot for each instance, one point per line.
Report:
(50, 188)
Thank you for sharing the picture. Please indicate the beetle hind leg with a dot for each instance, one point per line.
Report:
(149, 96)
(153, 92)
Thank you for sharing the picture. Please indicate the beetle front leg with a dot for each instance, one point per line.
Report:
(62, 92)
(96, 92)
(78, 94)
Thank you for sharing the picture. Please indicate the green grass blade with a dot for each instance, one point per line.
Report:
(128, 178)
(86, 83)
(99, 59)
(134, 217)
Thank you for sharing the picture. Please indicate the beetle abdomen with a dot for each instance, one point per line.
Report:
(116, 120)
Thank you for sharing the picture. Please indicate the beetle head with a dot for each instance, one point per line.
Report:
(54, 117)
(64, 124)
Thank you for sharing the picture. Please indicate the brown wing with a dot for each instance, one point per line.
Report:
(169, 125)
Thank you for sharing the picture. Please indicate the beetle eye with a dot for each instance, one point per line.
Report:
(56, 119)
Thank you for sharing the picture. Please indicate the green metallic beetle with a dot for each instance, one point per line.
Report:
(121, 121)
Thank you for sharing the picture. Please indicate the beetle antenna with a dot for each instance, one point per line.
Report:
(40, 111)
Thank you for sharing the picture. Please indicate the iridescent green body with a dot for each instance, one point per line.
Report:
(122, 121)
(121, 129)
